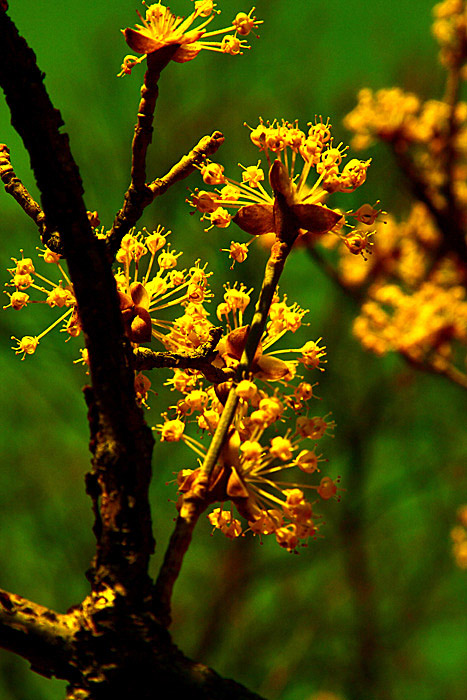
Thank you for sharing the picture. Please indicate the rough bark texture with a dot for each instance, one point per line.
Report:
(111, 645)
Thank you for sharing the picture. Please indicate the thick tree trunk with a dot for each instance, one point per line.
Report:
(111, 645)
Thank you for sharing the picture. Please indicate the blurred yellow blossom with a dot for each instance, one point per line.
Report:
(459, 538)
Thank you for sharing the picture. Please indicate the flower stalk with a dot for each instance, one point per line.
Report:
(195, 503)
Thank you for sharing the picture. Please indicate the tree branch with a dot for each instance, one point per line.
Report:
(194, 501)
(199, 359)
(447, 218)
(206, 146)
(64, 645)
(123, 442)
(136, 201)
(38, 634)
(142, 138)
(18, 191)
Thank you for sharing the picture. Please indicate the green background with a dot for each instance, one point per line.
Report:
(377, 608)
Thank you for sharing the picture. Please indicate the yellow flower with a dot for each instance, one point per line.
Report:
(161, 28)
(255, 461)
(172, 430)
(143, 290)
(282, 318)
(27, 345)
(25, 276)
(284, 147)
(144, 295)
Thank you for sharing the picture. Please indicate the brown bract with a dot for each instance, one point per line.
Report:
(226, 483)
(141, 40)
(258, 219)
(135, 314)
(255, 219)
(161, 28)
(230, 349)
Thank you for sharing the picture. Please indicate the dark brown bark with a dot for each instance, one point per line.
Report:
(110, 645)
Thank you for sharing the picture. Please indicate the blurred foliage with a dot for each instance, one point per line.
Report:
(376, 608)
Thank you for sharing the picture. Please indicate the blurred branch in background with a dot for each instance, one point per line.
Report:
(413, 283)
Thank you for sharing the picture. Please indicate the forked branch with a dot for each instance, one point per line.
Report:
(38, 634)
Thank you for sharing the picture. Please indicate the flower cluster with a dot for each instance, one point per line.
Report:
(449, 29)
(54, 294)
(413, 288)
(144, 296)
(431, 129)
(290, 154)
(409, 306)
(249, 466)
(255, 460)
(422, 326)
(459, 538)
(161, 28)
(390, 114)
(193, 328)
(148, 282)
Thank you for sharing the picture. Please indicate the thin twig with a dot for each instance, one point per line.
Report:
(286, 232)
(195, 501)
(18, 191)
(206, 146)
(136, 201)
(447, 221)
(179, 542)
(142, 138)
(199, 359)
(451, 372)
(140, 194)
